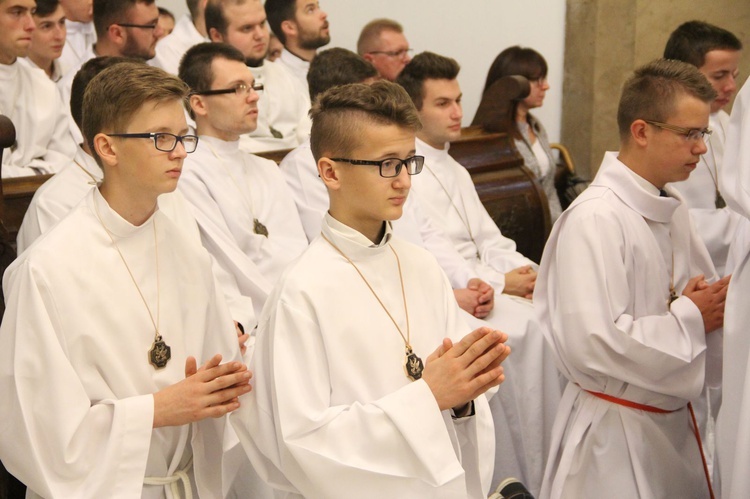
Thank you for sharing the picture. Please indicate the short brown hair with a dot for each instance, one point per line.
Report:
(337, 66)
(195, 66)
(426, 66)
(340, 113)
(109, 12)
(214, 14)
(692, 40)
(651, 93)
(370, 34)
(118, 92)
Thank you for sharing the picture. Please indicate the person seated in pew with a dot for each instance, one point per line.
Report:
(346, 406)
(630, 303)
(166, 22)
(104, 327)
(244, 209)
(274, 48)
(382, 43)
(80, 33)
(190, 30)
(48, 39)
(532, 392)
(528, 133)
(54, 199)
(31, 101)
(282, 107)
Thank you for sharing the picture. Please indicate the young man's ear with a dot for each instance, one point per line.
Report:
(197, 105)
(329, 173)
(639, 132)
(106, 149)
(289, 28)
(214, 35)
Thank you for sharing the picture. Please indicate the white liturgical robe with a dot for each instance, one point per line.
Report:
(171, 48)
(715, 225)
(332, 413)
(602, 296)
(31, 101)
(230, 190)
(79, 39)
(75, 380)
(733, 426)
(281, 108)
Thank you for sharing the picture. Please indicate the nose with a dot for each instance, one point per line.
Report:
(178, 152)
(458, 112)
(731, 86)
(158, 31)
(28, 22)
(700, 147)
(403, 179)
(60, 32)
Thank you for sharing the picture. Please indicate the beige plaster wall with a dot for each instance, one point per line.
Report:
(604, 41)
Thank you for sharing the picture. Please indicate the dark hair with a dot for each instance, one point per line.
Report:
(426, 66)
(165, 12)
(651, 93)
(692, 40)
(109, 12)
(337, 66)
(277, 12)
(45, 8)
(515, 60)
(195, 65)
(340, 113)
(214, 15)
(83, 77)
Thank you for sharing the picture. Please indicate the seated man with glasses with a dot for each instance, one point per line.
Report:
(110, 313)
(382, 42)
(124, 28)
(630, 303)
(361, 390)
(247, 217)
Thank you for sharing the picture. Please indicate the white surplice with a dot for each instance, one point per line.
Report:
(602, 298)
(281, 108)
(733, 426)
(715, 225)
(525, 406)
(31, 101)
(332, 413)
(75, 382)
(229, 189)
(171, 48)
(79, 39)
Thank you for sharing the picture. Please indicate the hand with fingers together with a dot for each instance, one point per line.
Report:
(710, 300)
(209, 392)
(459, 373)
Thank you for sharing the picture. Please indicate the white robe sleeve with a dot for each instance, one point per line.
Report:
(54, 438)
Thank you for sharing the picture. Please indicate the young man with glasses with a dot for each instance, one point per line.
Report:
(361, 389)
(246, 214)
(110, 313)
(629, 302)
(382, 42)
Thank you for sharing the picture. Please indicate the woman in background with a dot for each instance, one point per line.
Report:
(528, 133)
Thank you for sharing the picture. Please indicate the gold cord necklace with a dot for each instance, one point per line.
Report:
(93, 181)
(719, 201)
(413, 365)
(160, 352)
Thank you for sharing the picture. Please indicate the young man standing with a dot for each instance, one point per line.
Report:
(282, 106)
(447, 194)
(382, 42)
(243, 206)
(624, 300)
(30, 100)
(362, 391)
(302, 27)
(716, 53)
(106, 401)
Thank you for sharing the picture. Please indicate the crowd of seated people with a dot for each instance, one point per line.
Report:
(367, 237)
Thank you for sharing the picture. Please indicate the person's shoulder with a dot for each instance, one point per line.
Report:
(298, 156)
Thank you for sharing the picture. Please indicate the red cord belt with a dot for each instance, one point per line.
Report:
(648, 408)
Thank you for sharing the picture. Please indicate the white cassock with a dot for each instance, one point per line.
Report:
(602, 297)
(281, 108)
(61, 193)
(79, 40)
(299, 68)
(715, 225)
(526, 404)
(56, 69)
(171, 48)
(65, 87)
(229, 190)
(332, 413)
(733, 426)
(76, 384)
(43, 141)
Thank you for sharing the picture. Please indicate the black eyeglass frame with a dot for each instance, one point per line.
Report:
(685, 132)
(418, 161)
(255, 87)
(131, 25)
(155, 136)
(393, 53)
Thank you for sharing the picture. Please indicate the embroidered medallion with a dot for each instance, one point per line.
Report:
(159, 354)
(259, 228)
(413, 365)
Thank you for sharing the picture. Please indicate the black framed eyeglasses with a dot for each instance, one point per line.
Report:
(390, 167)
(163, 141)
(691, 134)
(142, 26)
(241, 89)
(399, 54)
